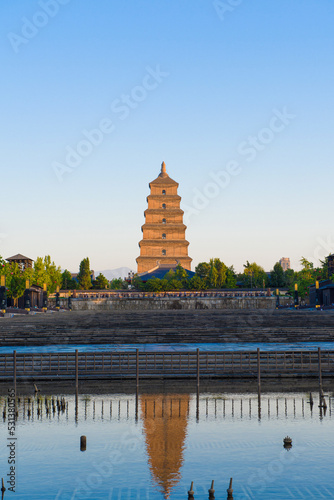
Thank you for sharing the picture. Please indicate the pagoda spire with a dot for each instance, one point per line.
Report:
(163, 172)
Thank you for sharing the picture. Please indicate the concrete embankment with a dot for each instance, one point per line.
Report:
(168, 326)
(168, 303)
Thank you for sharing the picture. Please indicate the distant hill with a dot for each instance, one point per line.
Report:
(110, 274)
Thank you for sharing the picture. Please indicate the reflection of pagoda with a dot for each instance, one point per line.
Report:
(165, 426)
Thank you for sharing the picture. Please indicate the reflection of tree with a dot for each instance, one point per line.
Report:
(165, 426)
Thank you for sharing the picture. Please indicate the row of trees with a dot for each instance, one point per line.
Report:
(83, 279)
(208, 275)
(216, 275)
(43, 271)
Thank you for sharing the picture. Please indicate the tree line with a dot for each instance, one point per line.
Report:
(217, 275)
(214, 274)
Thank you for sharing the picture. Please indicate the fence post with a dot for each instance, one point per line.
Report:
(259, 381)
(76, 385)
(137, 381)
(197, 395)
(258, 370)
(76, 370)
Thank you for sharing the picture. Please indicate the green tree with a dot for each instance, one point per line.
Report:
(203, 269)
(325, 270)
(305, 277)
(215, 274)
(277, 276)
(53, 274)
(15, 278)
(254, 276)
(181, 275)
(197, 283)
(231, 278)
(289, 277)
(5, 270)
(84, 275)
(154, 285)
(39, 274)
(212, 278)
(164, 284)
(16, 285)
(67, 282)
(221, 270)
(46, 271)
(101, 282)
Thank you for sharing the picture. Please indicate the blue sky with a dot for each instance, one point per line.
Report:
(210, 83)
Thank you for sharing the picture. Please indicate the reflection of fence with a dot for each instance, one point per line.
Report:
(218, 407)
(90, 365)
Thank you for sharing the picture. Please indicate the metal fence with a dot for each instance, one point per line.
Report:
(90, 365)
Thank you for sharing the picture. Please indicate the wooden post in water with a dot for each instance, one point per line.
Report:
(258, 370)
(83, 443)
(137, 381)
(3, 489)
(320, 375)
(212, 491)
(191, 491)
(76, 371)
(230, 490)
(320, 379)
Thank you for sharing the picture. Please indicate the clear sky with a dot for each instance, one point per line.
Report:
(236, 96)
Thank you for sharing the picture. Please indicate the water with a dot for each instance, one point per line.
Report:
(228, 346)
(170, 444)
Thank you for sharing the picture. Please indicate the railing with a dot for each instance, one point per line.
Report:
(166, 364)
(126, 294)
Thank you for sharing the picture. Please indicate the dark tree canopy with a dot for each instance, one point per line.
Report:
(84, 275)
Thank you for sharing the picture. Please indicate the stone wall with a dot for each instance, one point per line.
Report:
(187, 303)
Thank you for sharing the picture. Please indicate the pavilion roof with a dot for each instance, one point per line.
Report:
(19, 256)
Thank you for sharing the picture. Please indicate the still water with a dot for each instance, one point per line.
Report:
(153, 446)
(204, 347)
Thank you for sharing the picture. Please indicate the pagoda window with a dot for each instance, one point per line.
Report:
(164, 221)
(164, 205)
(164, 252)
(164, 191)
(163, 236)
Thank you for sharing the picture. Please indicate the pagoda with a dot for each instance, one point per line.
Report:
(163, 243)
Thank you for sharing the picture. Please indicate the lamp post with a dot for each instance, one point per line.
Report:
(130, 277)
(3, 295)
(27, 297)
(57, 299)
(45, 297)
(317, 295)
(296, 295)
